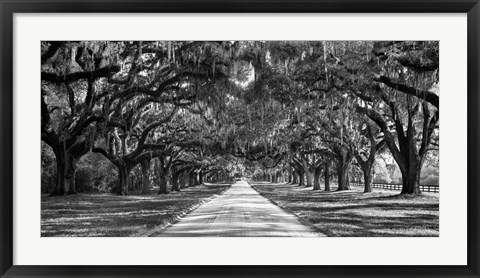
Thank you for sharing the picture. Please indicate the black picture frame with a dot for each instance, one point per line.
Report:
(9, 7)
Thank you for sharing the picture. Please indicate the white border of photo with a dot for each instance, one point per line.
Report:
(450, 248)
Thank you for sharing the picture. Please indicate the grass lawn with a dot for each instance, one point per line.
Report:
(352, 213)
(104, 214)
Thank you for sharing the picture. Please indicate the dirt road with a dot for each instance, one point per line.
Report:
(239, 212)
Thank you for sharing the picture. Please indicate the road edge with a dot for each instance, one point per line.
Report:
(300, 219)
(160, 228)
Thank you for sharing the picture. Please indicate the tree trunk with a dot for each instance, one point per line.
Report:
(183, 180)
(163, 181)
(301, 178)
(347, 178)
(131, 183)
(327, 176)
(81, 185)
(342, 177)
(163, 185)
(316, 178)
(199, 178)
(294, 177)
(343, 161)
(411, 177)
(71, 181)
(175, 181)
(145, 177)
(61, 187)
(191, 179)
(309, 176)
(367, 178)
(66, 169)
(122, 186)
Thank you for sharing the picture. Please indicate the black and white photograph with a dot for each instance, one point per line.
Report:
(240, 138)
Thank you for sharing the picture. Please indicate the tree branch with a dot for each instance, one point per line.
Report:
(389, 139)
(425, 95)
(103, 72)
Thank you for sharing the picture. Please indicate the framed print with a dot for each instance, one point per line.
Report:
(239, 138)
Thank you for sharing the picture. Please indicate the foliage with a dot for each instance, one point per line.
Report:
(233, 108)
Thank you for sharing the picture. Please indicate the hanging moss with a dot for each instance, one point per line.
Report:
(169, 50)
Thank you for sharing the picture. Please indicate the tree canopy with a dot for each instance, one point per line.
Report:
(190, 111)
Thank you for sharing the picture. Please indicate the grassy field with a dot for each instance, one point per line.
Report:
(103, 214)
(382, 213)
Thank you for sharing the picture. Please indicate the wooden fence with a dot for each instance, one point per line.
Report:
(396, 186)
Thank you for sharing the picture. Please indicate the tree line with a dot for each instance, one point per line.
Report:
(191, 111)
